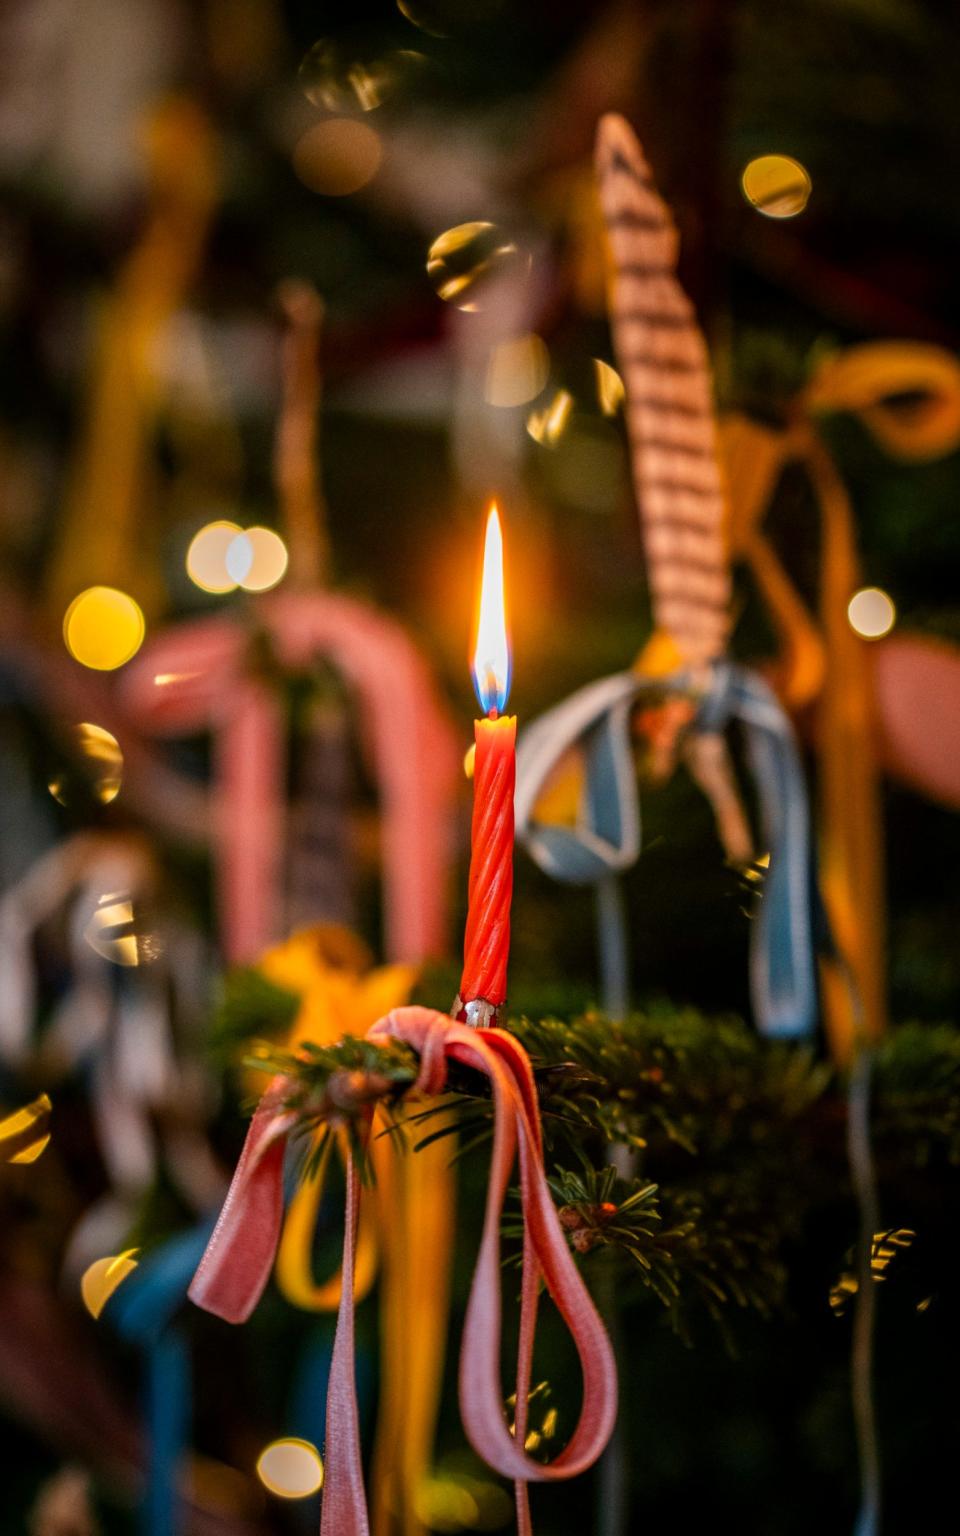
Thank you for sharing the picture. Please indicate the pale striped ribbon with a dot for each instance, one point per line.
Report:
(670, 416)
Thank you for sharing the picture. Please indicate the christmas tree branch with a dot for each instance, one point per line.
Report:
(723, 1142)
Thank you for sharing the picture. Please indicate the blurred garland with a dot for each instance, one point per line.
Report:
(735, 1141)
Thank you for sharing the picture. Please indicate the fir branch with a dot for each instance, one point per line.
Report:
(733, 1138)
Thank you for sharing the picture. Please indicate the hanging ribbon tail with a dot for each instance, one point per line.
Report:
(236, 1265)
(237, 1262)
(143, 1309)
(782, 961)
(343, 1511)
(294, 1273)
(606, 836)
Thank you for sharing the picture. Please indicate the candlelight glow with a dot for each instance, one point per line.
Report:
(491, 654)
(291, 1468)
(871, 613)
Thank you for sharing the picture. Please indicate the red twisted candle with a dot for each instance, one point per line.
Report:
(483, 986)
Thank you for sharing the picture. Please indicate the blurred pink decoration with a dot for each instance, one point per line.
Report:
(197, 677)
(917, 686)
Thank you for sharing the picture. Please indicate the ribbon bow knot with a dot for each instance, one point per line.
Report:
(605, 838)
(236, 1266)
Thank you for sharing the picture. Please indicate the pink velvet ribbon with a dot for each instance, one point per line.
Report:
(197, 677)
(237, 1263)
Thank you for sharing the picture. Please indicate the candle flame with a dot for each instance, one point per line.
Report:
(491, 653)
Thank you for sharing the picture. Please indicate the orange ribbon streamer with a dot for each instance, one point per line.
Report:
(827, 661)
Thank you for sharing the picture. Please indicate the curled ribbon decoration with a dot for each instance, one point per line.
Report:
(604, 837)
(879, 704)
(690, 692)
(110, 482)
(404, 1231)
(144, 1310)
(197, 677)
(234, 1270)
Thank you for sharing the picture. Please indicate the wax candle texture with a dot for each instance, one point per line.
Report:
(487, 939)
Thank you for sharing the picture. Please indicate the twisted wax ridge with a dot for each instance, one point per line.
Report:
(487, 937)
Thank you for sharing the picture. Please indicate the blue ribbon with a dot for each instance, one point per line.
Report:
(144, 1310)
(606, 838)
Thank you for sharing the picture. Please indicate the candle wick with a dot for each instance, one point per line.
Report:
(493, 712)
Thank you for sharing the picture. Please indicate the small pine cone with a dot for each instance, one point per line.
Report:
(583, 1239)
(570, 1218)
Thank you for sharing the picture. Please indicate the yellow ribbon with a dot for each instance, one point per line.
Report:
(908, 397)
(405, 1229)
(103, 530)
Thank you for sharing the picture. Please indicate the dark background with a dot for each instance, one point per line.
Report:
(863, 92)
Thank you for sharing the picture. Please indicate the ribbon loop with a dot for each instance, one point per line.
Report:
(234, 1269)
(237, 1261)
(606, 835)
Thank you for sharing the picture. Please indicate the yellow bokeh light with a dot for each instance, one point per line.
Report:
(338, 156)
(258, 559)
(871, 613)
(207, 557)
(24, 1134)
(291, 1469)
(103, 1276)
(103, 628)
(517, 371)
(777, 186)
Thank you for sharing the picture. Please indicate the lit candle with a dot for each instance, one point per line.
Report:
(483, 987)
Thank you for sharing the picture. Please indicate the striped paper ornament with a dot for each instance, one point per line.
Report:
(670, 415)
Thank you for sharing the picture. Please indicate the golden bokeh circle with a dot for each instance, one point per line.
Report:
(103, 628)
(778, 186)
(338, 156)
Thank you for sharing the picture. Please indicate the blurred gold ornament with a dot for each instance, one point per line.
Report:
(103, 628)
(610, 387)
(548, 424)
(103, 1276)
(96, 771)
(777, 186)
(333, 76)
(114, 932)
(342, 75)
(462, 261)
(25, 1133)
